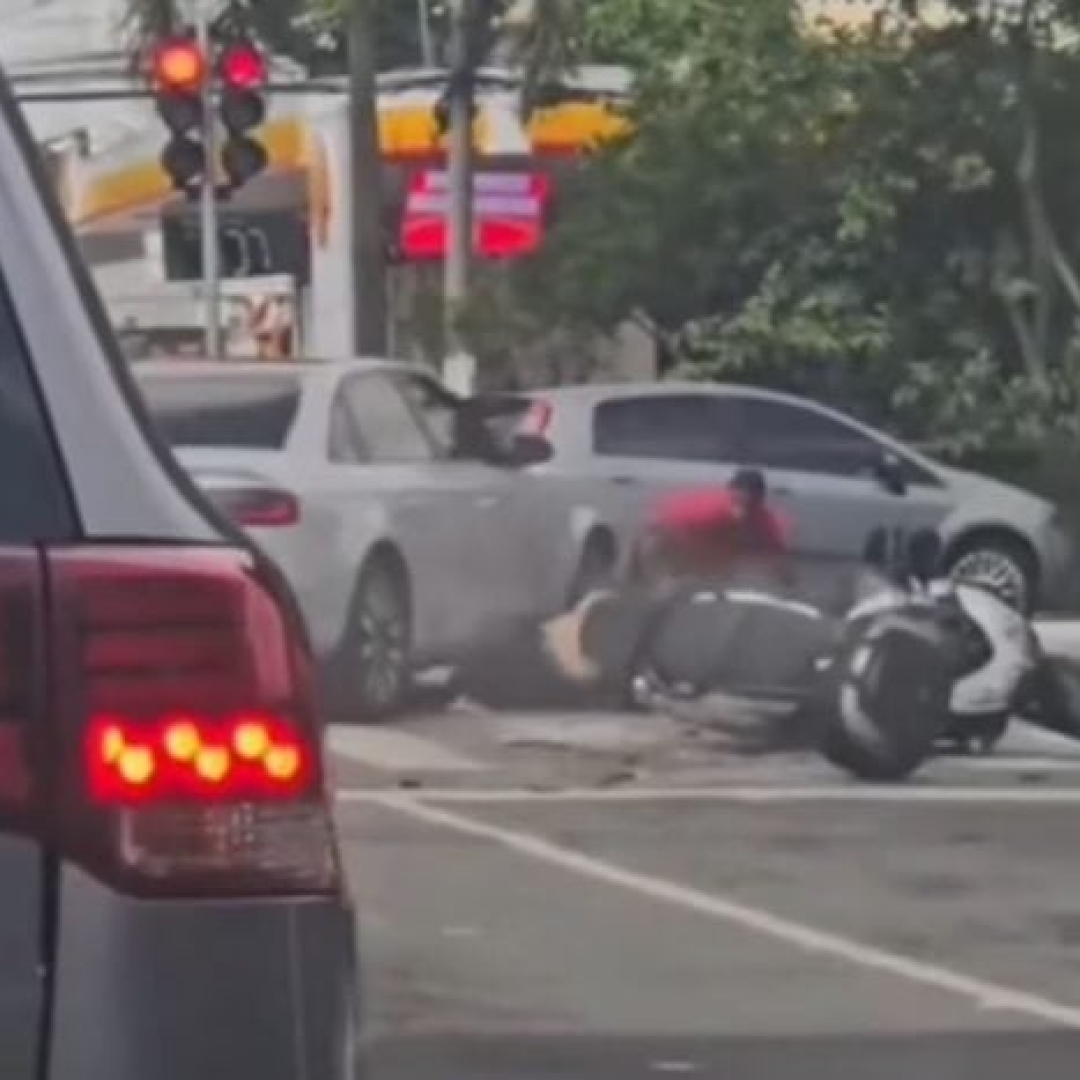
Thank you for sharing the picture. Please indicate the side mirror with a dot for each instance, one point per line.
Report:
(525, 450)
(888, 470)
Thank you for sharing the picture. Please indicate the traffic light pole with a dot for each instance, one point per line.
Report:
(427, 45)
(371, 315)
(208, 206)
(460, 183)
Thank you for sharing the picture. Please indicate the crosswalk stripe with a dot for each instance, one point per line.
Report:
(393, 750)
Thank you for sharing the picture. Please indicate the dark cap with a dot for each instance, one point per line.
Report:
(751, 482)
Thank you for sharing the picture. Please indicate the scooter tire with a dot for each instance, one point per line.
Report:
(891, 734)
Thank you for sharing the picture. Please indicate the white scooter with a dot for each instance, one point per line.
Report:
(1002, 656)
(914, 662)
(918, 664)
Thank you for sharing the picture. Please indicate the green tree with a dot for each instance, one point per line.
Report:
(882, 218)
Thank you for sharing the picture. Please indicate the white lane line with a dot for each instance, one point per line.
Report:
(985, 994)
(397, 751)
(1016, 763)
(1010, 796)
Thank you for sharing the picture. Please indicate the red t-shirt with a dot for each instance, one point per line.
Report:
(706, 526)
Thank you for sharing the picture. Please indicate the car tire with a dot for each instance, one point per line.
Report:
(595, 568)
(376, 659)
(1001, 562)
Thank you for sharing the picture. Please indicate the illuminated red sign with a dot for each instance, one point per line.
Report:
(508, 215)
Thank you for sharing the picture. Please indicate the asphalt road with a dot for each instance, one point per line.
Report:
(568, 897)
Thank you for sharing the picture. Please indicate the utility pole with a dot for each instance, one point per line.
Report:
(208, 207)
(459, 253)
(368, 252)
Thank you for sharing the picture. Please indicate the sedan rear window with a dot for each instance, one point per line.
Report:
(253, 413)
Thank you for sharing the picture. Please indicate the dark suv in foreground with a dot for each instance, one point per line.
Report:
(172, 904)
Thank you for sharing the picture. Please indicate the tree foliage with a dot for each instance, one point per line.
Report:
(884, 218)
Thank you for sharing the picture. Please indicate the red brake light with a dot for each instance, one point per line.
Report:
(187, 714)
(195, 759)
(538, 419)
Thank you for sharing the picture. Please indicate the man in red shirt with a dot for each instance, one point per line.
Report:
(714, 532)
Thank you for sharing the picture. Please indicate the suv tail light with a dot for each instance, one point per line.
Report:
(537, 419)
(256, 505)
(182, 700)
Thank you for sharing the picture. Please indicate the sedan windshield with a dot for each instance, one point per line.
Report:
(253, 412)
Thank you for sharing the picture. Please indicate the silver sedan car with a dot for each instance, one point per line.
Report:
(619, 446)
(402, 529)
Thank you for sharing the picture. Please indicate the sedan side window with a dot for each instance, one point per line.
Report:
(786, 436)
(669, 427)
(384, 422)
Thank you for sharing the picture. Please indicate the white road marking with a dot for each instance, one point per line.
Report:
(985, 994)
(1016, 763)
(392, 750)
(762, 793)
(459, 931)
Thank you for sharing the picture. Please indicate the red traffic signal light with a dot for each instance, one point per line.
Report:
(242, 67)
(178, 65)
(178, 73)
(242, 71)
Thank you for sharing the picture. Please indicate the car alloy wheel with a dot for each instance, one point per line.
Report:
(998, 570)
(380, 640)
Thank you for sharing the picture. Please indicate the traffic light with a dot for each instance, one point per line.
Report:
(178, 73)
(241, 70)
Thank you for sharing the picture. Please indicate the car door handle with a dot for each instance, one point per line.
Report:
(624, 481)
(487, 502)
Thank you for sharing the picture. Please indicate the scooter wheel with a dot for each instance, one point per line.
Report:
(891, 706)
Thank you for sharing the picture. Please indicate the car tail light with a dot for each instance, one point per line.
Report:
(262, 506)
(183, 699)
(537, 419)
